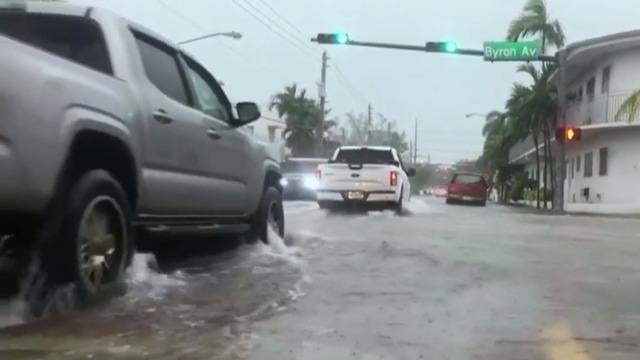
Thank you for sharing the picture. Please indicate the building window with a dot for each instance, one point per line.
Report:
(572, 169)
(580, 93)
(588, 164)
(606, 76)
(591, 88)
(604, 161)
(578, 161)
(272, 134)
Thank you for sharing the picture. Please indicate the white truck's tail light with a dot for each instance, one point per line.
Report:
(393, 178)
(318, 174)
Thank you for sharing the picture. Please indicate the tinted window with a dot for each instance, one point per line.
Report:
(162, 68)
(365, 156)
(467, 179)
(300, 166)
(74, 38)
(206, 97)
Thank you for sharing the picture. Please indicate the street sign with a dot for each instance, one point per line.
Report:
(511, 50)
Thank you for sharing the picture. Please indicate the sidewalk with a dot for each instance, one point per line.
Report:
(606, 210)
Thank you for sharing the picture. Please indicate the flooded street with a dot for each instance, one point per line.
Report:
(441, 282)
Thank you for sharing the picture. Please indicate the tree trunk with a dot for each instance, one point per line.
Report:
(535, 146)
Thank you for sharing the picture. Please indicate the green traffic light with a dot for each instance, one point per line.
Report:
(451, 46)
(342, 38)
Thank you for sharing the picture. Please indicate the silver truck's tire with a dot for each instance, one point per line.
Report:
(95, 238)
(270, 214)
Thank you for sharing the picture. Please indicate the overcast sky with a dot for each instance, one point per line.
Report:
(438, 90)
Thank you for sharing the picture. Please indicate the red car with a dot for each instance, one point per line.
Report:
(467, 187)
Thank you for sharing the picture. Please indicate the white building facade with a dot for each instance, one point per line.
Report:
(603, 168)
(270, 130)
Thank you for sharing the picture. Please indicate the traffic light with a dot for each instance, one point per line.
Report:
(442, 46)
(569, 134)
(340, 38)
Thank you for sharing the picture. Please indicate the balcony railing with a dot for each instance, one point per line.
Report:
(520, 148)
(599, 109)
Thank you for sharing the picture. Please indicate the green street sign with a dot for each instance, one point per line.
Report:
(511, 50)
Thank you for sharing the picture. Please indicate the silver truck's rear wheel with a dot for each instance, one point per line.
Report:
(95, 238)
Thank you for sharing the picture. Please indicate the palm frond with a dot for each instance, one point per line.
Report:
(531, 70)
(629, 107)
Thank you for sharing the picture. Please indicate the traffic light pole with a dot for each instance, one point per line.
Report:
(424, 48)
(561, 167)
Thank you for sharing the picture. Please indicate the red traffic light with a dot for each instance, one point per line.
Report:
(569, 134)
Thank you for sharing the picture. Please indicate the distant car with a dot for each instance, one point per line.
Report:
(299, 179)
(440, 191)
(467, 187)
(371, 176)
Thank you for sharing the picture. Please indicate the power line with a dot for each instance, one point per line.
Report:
(268, 26)
(283, 18)
(276, 24)
(339, 74)
(347, 83)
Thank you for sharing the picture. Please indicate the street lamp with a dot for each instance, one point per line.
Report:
(232, 34)
(475, 114)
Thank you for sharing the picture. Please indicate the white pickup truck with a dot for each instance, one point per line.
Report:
(373, 176)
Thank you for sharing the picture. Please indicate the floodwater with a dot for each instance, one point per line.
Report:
(439, 282)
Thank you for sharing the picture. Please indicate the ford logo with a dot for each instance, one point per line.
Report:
(355, 175)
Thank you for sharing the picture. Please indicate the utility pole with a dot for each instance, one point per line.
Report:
(415, 143)
(410, 150)
(323, 99)
(369, 124)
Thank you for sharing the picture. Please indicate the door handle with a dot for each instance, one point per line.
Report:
(213, 134)
(162, 117)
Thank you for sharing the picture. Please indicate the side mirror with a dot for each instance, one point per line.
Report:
(411, 172)
(247, 112)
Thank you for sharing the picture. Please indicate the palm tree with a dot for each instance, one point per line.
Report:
(301, 116)
(535, 20)
(494, 121)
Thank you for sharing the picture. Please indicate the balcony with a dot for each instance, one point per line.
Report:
(520, 149)
(598, 109)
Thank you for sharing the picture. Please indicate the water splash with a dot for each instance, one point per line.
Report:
(145, 279)
(12, 313)
(418, 206)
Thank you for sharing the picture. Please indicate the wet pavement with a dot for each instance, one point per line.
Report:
(440, 282)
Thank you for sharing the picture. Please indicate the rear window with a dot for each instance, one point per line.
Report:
(74, 38)
(365, 156)
(468, 179)
(300, 166)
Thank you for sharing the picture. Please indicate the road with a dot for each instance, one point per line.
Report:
(440, 282)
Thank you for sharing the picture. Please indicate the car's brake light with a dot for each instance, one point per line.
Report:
(318, 174)
(393, 178)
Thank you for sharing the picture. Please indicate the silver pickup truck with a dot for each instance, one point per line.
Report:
(110, 133)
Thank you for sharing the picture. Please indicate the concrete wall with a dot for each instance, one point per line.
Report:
(621, 184)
